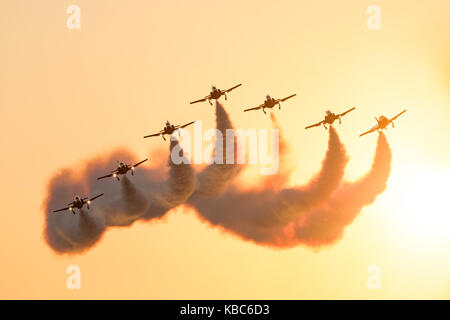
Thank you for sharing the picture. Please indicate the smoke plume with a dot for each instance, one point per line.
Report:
(214, 178)
(270, 214)
(325, 224)
(259, 215)
(148, 194)
(175, 191)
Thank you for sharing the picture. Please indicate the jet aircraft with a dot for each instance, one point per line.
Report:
(330, 117)
(216, 94)
(382, 123)
(168, 129)
(122, 169)
(269, 103)
(78, 203)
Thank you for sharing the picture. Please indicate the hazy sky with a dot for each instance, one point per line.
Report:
(68, 95)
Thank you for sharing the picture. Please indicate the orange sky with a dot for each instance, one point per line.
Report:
(68, 95)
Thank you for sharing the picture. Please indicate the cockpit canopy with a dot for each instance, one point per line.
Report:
(213, 88)
(268, 97)
(77, 198)
(122, 164)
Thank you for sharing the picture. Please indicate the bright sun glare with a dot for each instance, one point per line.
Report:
(421, 209)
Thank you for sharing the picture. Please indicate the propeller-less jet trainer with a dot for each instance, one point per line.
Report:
(330, 117)
(168, 129)
(78, 203)
(269, 103)
(382, 123)
(122, 169)
(216, 94)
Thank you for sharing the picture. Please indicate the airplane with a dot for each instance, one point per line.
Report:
(216, 94)
(270, 103)
(330, 117)
(122, 168)
(168, 129)
(382, 123)
(78, 203)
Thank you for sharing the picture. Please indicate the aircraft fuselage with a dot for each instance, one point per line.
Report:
(330, 118)
(383, 122)
(78, 204)
(270, 103)
(215, 94)
(169, 129)
(123, 169)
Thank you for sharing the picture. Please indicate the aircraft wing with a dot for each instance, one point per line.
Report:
(370, 131)
(140, 162)
(107, 176)
(187, 124)
(255, 108)
(228, 90)
(62, 209)
(315, 125)
(97, 196)
(154, 135)
(284, 99)
(200, 100)
(398, 115)
(344, 113)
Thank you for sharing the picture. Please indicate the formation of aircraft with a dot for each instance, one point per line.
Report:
(216, 94)
(78, 203)
(168, 129)
(122, 169)
(382, 123)
(330, 117)
(269, 103)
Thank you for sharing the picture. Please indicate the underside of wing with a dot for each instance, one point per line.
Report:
(140, 162)
(314, 125)
(398, 115)
(255, 108)
(97, 196)
(371, 130)
(154, 135)
(187, 124)
(200, 100)
(228, 90)
(107, 176)
(344, 113)
(284, 99)
(63, 209)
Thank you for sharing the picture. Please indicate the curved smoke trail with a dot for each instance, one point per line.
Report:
(326, 224)
(215, 177)
(272, 214)
(259, 215)
(286, 165)
(68, 232)
(175, 191)
(124, 202)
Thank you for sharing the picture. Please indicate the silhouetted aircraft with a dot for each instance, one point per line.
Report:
(78, 203)
(382, 123)
(330, 117)
(216, 94)
(168, 129)
(270, 103)
(122, 169)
